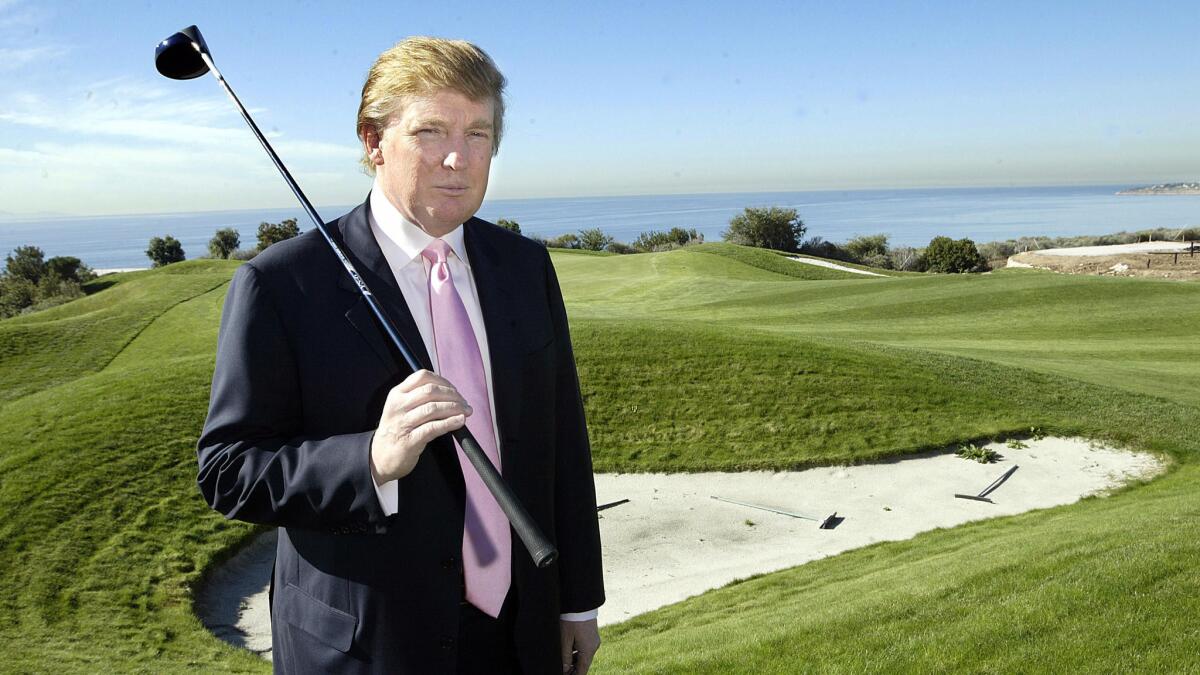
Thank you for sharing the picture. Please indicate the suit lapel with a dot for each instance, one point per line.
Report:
(497, 300)
(362, 249)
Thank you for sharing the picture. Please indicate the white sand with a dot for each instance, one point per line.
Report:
(672, 541)
(1116, 249)
(835, 266)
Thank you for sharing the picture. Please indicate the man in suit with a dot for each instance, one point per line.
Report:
(390, 558)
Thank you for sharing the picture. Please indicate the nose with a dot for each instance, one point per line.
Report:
(456, 154)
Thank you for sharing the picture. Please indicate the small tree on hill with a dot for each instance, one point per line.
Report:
(69, 268)
(866, 246)
(593, 239)
(656, 240)
(16, 293)
(774, 228)
(224, 242)
(164, 251)
(273, 233)
(949, 256)
(510, 225)
(26, 262)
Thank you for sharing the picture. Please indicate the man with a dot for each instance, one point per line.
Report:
(391, 559)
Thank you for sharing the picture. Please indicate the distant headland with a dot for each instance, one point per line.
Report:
(1165, 189)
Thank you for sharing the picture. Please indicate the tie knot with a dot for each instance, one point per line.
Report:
(437, 251)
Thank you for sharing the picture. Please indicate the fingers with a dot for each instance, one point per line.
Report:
(566, 643)
(420, 388)
(578, 643)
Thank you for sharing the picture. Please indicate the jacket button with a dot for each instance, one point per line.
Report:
(447, 643)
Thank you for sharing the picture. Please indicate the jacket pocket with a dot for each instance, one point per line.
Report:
(327, 624)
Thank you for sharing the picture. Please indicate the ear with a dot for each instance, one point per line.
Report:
(370, 140)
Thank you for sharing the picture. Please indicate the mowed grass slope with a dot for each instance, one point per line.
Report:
(689, 360)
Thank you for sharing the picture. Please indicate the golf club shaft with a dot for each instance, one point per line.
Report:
(540, 548)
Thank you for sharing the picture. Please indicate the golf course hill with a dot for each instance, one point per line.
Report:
(707, 358)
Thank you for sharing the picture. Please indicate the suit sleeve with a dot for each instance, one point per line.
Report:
(581, 582)
(255, 462)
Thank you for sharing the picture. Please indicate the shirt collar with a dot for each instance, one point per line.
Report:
(408, 237)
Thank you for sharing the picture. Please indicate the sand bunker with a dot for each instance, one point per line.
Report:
(1117, 249)
(835, 266)
(672, 540)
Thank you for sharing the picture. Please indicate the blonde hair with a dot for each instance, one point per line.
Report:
(419, 66)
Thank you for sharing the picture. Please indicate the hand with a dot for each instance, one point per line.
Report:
(418, 410)
(579, 641)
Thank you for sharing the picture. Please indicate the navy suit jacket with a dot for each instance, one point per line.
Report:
(301, 376)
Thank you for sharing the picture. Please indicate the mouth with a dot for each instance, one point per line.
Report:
(452, 189)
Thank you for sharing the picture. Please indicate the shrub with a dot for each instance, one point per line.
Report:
(656, 240)
(905, 258)
(26, 262)
(618, 247)
(950, 256)
(164, 251)
(69, 268)
(16, 293)
(775, 228)
(224, 242)
(879, 260)
(510, 225)
(820, 248)
(568, 240)
(273, 233)
(865, 246)
(981, 455)
(243, 254)
(593, 239)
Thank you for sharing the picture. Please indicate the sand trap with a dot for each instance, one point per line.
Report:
(1116, 249)
(835, 266)
(672, 541)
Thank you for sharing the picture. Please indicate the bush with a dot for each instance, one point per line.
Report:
(165, 250)
(69, 268)
(775, 228)
(593, 239)
(26, 262)
(16, 293)
(273, 233)
(243, 254)
(866, 246)
(618, 247)
(224, 242)
(878, 260)
(949, 256)
(905, 258)
(568, 240)
(510, 225)
(820, 248)
(655, 240)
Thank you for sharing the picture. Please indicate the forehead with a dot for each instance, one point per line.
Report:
(446, 105)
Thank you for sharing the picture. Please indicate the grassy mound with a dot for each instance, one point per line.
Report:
(689, 360)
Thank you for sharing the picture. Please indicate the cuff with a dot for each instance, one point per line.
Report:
(580, 616)
(389, 497)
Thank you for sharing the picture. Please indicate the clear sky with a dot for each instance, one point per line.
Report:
(606, 98)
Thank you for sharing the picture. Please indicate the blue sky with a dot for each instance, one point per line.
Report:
(606, 98)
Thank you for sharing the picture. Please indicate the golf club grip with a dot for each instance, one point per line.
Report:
(540, 548)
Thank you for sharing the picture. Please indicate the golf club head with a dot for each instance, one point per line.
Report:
(178, 58)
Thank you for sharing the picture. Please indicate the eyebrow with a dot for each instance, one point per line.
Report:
(439, 122)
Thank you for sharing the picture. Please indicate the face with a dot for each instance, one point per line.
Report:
(433, 158)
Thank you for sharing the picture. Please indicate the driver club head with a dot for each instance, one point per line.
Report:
(178, 58)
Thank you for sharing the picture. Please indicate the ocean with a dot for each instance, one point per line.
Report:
(909, 217)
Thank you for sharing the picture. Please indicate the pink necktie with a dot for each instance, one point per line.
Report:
(487, 543)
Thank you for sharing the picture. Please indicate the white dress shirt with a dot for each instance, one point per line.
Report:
(402, 243)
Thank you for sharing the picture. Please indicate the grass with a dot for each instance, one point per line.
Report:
(696, 359)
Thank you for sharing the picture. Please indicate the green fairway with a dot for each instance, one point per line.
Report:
(706, 358)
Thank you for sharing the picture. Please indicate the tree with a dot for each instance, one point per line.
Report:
(510, 225)
(656, 240)
(593, 239)
(69, 268)
(774, 228)
(16, 293)
(165, 250)
(273, 233)
(224, 242)
(568, 240)
(947, 255)
(26, 262)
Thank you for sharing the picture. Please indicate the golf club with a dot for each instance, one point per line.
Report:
(185, 56)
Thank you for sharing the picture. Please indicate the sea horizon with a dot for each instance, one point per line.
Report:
(909, 216)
